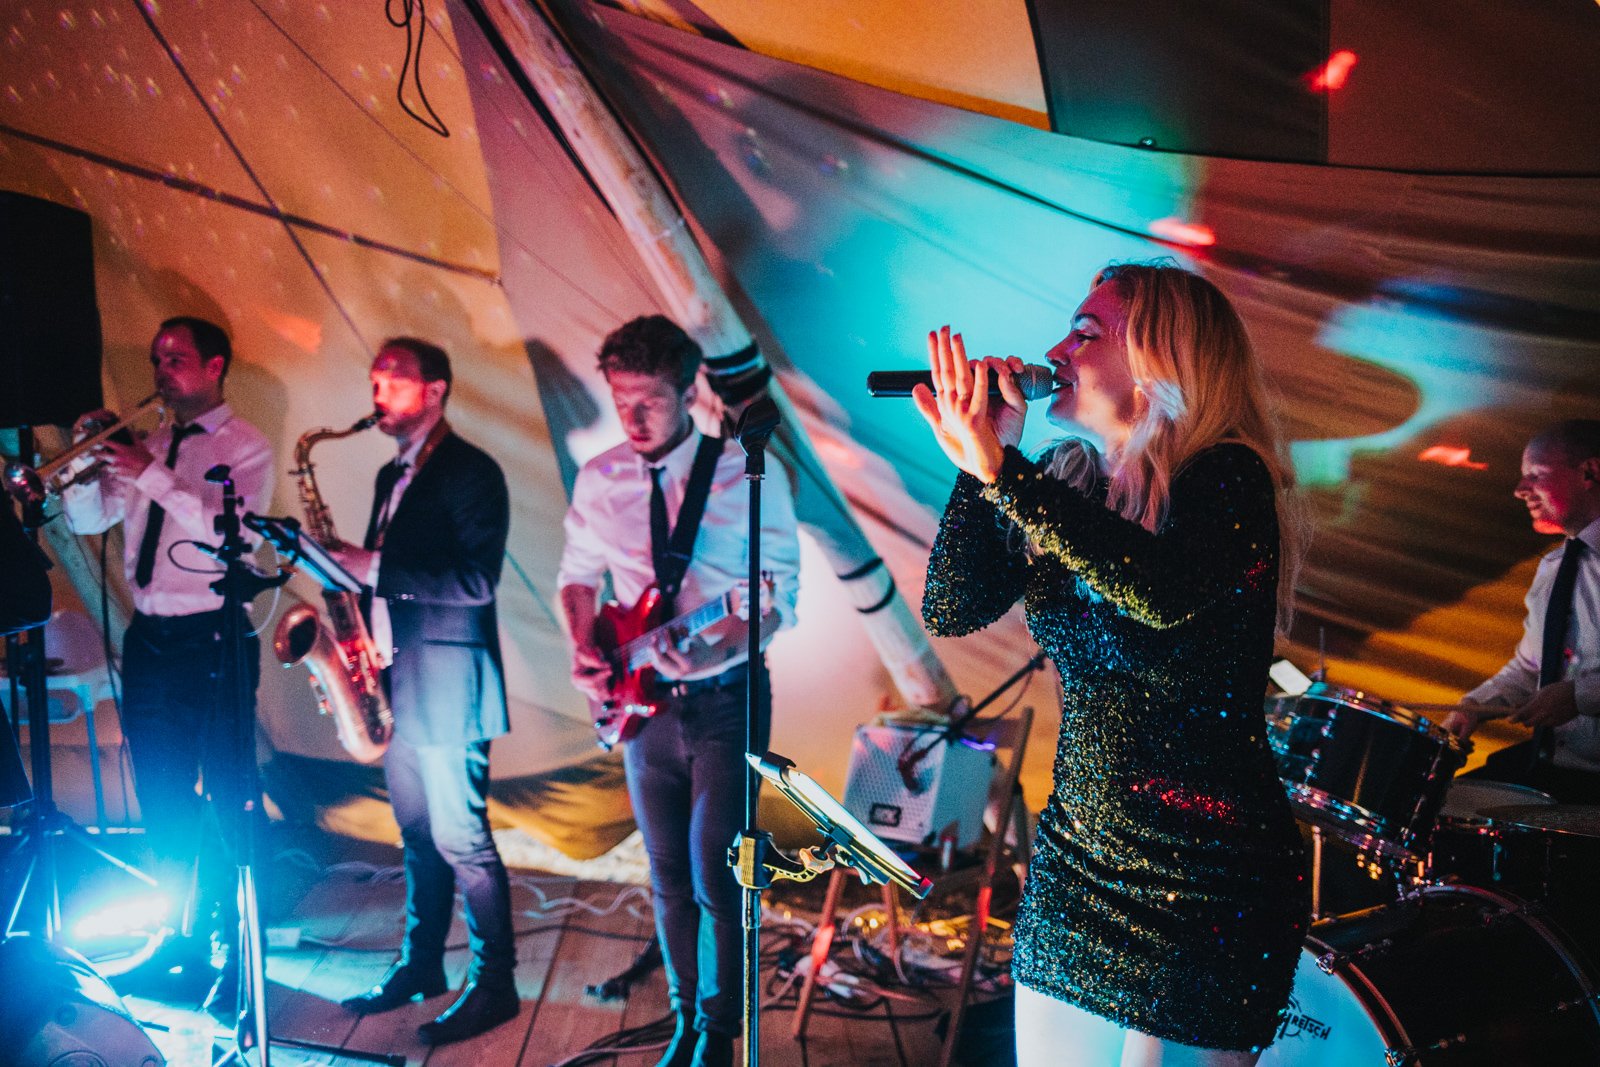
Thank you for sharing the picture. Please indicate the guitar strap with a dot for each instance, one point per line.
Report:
(680, 545)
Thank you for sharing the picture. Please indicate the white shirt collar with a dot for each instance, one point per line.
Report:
(678, 461)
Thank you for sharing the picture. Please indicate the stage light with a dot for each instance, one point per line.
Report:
(1180, 232)
(1334, 73)
(134, 915)
(123, 934)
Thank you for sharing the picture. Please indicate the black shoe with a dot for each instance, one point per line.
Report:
(403, 982)
(680, 1050)
(713, 1050)
(482, 1006)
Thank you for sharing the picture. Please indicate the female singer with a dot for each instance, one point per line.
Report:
(1168, 895)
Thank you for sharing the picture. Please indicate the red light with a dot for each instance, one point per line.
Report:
(1451, 456)
(1332, 74)
(1183, 233)
(301, 332)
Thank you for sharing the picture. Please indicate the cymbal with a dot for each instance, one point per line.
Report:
(1580, 820)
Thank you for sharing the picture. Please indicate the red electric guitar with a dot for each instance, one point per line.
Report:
(629, 637)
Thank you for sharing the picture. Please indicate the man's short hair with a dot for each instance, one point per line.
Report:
(654, 345)
(210, 340)
(1575, 439)
(433, 363)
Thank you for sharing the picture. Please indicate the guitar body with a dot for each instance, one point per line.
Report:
(631, 698)
(632, 637)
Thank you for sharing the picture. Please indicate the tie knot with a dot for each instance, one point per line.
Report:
(180, 432)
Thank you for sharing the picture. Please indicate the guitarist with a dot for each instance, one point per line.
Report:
(633, 516)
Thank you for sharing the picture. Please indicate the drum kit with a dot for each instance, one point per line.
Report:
(1479, 951)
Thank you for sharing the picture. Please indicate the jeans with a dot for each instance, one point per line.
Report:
(686, 778)
(440, 796)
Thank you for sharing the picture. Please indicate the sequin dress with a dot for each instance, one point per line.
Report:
(1168, 889)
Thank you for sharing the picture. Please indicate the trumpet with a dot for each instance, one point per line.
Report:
(31, 485)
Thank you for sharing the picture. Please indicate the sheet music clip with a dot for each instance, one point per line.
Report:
(849, 842)
(287, 537)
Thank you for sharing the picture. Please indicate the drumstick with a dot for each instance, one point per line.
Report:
(1496, 710)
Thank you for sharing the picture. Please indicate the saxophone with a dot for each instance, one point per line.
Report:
(341, 655)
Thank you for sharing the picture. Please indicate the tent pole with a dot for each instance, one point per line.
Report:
(694, 298)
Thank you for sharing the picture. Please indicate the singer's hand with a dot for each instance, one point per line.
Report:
(972, 433)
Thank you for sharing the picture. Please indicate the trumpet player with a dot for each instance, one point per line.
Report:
(172, 653)
(434, 545)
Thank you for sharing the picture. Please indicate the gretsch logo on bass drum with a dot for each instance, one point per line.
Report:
(1296, 1023)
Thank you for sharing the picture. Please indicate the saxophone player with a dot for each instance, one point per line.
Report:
(434, 545)
(172, 654)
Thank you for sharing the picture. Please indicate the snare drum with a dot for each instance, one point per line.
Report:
(1451, 976)
(1369, 771)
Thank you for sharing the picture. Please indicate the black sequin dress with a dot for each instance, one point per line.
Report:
(1169, 887)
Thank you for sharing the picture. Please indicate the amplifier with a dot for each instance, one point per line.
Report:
(948, 787)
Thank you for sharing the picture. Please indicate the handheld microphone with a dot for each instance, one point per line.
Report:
(1036, 382)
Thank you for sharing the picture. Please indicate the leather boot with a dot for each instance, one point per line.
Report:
(484, 1004)
(713, 1050)
(403, 982)
(680, 1050)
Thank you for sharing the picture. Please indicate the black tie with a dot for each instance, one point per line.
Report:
(382, 503)
(1557, 613)
(660, 535)
(158, 514)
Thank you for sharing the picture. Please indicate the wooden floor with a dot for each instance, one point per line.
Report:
(349, 924)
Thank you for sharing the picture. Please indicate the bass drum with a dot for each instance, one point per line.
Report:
(1451, 976)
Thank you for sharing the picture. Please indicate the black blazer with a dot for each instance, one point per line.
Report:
(439, 568)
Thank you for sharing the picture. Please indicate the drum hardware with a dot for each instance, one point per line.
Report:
(1333, 962)
(1450, 976)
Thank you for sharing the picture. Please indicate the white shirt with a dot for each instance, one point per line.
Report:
(382, 629)
(1578, 741)
(182, 587)
(608, 530)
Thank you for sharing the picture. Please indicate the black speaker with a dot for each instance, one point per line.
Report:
(59, 1012)
(49, 322)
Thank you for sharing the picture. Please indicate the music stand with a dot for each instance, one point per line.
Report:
(850, 843)
(287, 537)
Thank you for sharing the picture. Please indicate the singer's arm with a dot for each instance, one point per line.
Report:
(974, 574)
(1218, 542)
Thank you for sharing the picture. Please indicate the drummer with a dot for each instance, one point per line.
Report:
(1556, 693)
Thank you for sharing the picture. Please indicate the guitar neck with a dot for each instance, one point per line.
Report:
(636, 653)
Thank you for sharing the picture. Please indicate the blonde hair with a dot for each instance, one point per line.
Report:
(1200, 384)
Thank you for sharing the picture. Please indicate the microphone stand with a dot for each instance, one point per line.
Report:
(748, 856)
(953, 730)
(240, 584)
(756, 862)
